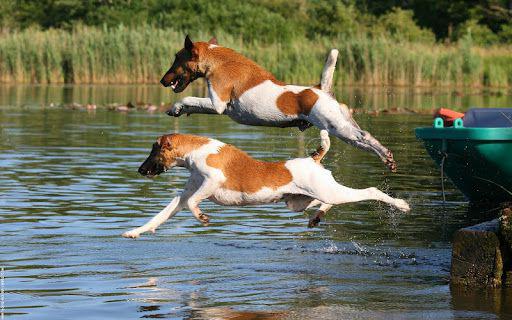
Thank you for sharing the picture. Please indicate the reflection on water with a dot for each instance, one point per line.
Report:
(370, 98)
(70, 188)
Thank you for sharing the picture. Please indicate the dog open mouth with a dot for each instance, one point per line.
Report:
(178, 84)
(153, 172)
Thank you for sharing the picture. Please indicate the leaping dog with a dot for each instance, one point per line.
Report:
(228, 176)
(249, 94)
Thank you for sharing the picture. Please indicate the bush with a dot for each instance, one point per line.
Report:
(331, 18)
(400, 25)
(479, 34)
(505, 34)
(244, 19)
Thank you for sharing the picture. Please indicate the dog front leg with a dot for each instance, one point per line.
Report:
(190, 105)
(198, 214)
(168, 212)
(218, 104)
(207, 188)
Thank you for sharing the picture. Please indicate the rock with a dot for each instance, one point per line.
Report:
(476, 256)
(505, 235)
(508, 279)
(506, 228)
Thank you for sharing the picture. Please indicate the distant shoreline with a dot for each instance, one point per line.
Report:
(119, 55)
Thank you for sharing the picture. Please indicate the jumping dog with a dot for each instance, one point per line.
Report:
(228, 176)
(249, 94)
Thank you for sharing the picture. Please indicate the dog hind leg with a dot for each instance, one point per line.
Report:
(329, 191)
(324, 207)
(366, 141)
(299, 202)
(361, 139)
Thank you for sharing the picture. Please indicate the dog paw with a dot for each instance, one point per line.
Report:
(313, 222)
(402, 205)
(176, 110)
(204, 218)
(390, 161)
(131, 234)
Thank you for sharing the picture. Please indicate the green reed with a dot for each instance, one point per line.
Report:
(143, 54)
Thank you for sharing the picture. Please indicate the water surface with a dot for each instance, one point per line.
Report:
(70, 187)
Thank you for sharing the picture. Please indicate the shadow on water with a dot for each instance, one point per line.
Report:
(70, 188)
(471, 304)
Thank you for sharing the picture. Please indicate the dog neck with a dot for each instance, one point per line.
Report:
(183, 147)
(212, 58)
(230, 73)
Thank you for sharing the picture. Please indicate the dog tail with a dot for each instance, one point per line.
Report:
(327, 80)
(328, 71)
(325, 144)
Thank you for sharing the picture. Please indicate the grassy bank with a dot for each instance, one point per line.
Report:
(143, 54)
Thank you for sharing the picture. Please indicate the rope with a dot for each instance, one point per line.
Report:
(444, 148)
(442, 177)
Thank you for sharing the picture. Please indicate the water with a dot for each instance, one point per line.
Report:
(70, 187)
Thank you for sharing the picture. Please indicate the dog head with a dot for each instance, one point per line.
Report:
(185, 68)
(160, 159)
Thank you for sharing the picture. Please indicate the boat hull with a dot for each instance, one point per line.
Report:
(477, 160)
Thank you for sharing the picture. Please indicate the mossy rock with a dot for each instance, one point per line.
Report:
(506, 228)
(476, 256)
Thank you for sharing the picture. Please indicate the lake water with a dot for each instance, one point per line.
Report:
(70, 187)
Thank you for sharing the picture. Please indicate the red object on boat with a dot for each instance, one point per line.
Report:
(448, 116)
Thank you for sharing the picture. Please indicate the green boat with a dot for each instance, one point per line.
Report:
(476, 153)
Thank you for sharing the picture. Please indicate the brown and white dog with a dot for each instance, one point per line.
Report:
(228, 176)
(249, 94)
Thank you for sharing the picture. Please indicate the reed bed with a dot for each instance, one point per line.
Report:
(141, 55)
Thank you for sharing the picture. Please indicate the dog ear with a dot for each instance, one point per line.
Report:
(164, 142)
(188, 43)
(213, 40)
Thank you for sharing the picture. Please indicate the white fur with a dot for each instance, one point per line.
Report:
(311, 185)
(217, 103)
(327, 74)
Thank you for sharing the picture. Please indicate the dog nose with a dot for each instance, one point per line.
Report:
(142, 171)
(162, 81)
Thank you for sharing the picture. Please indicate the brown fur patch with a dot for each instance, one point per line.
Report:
(178, 146)
(246, 174)
(230, 73)
(297, 103)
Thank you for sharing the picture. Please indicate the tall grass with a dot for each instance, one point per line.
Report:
(143, 54)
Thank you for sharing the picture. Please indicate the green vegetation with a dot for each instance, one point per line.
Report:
(424, 43)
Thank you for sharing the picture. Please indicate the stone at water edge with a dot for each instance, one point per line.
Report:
(476, 256)
(505, 232)
(506, 228)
